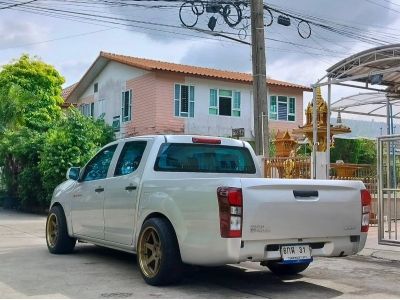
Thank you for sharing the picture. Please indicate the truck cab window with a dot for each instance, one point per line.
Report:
(97, 168)
(130, 158)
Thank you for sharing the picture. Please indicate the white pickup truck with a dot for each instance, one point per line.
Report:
(203, 201)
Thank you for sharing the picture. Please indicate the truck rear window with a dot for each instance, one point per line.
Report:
(175, 157)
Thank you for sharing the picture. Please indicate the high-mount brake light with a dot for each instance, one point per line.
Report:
(206, 141)
(230, 202)
(365, 210)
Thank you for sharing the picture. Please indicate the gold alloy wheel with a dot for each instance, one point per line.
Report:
(52, 230)
(150, 253)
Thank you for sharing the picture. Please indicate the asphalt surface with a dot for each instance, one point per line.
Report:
(28, 270)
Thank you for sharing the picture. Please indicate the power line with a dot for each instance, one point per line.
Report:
(18, 4)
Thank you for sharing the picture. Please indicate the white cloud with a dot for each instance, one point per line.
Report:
(15, 33)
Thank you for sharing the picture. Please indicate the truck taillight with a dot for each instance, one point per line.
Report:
(365, 210)
(230, 202)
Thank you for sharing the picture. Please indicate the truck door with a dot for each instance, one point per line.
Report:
(122, 194)
(88, 196)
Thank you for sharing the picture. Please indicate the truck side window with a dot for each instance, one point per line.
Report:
(130, 158)
(97, 168)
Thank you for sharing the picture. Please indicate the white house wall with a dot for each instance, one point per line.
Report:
(112, 82)
(205, 124)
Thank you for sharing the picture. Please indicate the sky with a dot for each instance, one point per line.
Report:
(71, 44)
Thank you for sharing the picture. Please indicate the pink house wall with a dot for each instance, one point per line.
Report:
(276, 125)
(152, 105)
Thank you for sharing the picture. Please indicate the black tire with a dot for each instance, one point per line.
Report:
(62, 243)
(282, 269)
(170, 267)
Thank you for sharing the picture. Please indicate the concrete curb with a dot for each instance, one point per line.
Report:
(381, 254)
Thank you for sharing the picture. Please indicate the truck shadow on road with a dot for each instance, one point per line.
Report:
(239, 280)
(96, 272)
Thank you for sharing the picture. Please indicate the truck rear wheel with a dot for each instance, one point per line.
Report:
(158, 255)
(57, 238)
(282, 269)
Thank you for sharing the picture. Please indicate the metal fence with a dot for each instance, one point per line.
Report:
(388, 170)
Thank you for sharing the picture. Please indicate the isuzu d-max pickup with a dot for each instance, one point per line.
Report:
(176, 200)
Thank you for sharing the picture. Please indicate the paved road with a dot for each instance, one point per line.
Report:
(27, 270)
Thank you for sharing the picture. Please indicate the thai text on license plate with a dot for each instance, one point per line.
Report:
(296, 253)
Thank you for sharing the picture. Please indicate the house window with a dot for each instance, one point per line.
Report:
(101, 108)
(116, 123)
(224, 103)
(96, 87)
(282, 108)
(87, 109)
(126, 106)
(184, 100)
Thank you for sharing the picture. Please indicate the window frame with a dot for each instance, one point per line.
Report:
(236, 108)
(274, 115)
(128, 117)
(178, 101)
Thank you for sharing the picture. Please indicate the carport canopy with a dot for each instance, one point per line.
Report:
(376, 70)
(368, 104)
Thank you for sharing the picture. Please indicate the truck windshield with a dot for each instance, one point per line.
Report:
(175, 157)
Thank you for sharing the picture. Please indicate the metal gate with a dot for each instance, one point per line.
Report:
(388, 169)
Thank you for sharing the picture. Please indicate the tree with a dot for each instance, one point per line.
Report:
(357, 151)
(30, 98)
(73, 140)
(38, 141)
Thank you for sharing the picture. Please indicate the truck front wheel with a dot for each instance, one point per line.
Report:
(282, 269)
(158, 255)
(57, 238)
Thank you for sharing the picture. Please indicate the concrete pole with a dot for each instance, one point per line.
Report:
(261, 129)
(315, 135)
(328, 131)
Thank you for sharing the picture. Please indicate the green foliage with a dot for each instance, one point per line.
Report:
(73, 140)
(38, 141)
(30, 94)
(304, 150)
(360, 151)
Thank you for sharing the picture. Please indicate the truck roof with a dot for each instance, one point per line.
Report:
(191, 139)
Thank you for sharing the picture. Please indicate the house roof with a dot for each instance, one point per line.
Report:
(65, 92)
(156, 65)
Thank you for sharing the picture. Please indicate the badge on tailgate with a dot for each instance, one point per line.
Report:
(296, 254)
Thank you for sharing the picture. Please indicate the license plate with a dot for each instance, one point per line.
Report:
(294, 254)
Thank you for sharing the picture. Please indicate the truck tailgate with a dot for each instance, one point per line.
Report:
(300, 208)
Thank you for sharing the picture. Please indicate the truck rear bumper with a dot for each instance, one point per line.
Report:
(235, 250)
(332, 246)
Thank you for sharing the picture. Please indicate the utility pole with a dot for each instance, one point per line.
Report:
(261, 129)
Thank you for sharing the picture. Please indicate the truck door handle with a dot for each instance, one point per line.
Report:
(99, 189)
(305, 194)
(130, 188)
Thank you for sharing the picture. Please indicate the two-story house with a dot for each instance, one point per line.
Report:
(141, 96)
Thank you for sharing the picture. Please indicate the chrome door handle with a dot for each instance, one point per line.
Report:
(130, 188)
(99, 189)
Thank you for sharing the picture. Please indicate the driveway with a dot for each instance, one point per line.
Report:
(28, 270)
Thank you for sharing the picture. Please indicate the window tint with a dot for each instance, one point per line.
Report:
(130, 158)
(97, 168)
(204, 158)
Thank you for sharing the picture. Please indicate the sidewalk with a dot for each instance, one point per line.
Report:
(373, 249)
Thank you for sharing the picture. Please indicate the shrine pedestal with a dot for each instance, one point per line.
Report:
(321, 165)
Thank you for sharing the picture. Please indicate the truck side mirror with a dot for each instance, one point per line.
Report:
(73, 173)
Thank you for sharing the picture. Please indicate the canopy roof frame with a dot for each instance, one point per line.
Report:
(377, 66)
